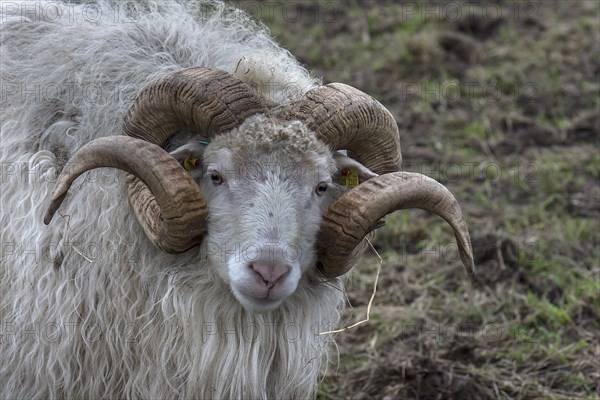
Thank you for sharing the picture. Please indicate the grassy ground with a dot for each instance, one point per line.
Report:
(500, 102)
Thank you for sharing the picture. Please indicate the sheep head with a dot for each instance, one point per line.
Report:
(266, 184)
(266, 177)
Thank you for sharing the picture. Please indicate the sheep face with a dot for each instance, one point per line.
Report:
(267, 184)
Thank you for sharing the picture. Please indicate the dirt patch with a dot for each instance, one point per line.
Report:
(496, 259)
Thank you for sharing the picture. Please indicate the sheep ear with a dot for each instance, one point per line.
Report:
(191, 156)
(348, 170)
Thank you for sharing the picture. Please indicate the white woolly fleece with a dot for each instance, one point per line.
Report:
(89, 307)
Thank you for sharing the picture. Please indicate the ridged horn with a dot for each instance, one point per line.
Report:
(179, 201)
(355, 214)
(343, 117)
(199, 100)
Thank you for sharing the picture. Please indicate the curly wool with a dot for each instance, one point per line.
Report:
(89, 307)
(261, 135)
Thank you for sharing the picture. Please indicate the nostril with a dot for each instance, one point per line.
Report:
(270, 273)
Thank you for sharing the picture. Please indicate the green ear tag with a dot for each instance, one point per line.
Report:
(348, 178)
(190, 162)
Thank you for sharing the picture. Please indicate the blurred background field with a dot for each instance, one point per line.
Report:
(500, 102)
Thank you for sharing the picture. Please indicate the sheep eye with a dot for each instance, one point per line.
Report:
(216, 178)
(321, 188)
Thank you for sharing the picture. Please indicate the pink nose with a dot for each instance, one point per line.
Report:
(270, 274)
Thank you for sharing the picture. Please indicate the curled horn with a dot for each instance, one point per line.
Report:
(167, 202)
(351, 217)
(346, 118)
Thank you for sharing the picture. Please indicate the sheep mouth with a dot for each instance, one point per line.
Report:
(258, 304)
(261, 300)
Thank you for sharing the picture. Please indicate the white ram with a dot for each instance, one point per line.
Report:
(161, 286)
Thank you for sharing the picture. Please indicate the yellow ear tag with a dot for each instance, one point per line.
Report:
(190, 162)
(348, 178)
